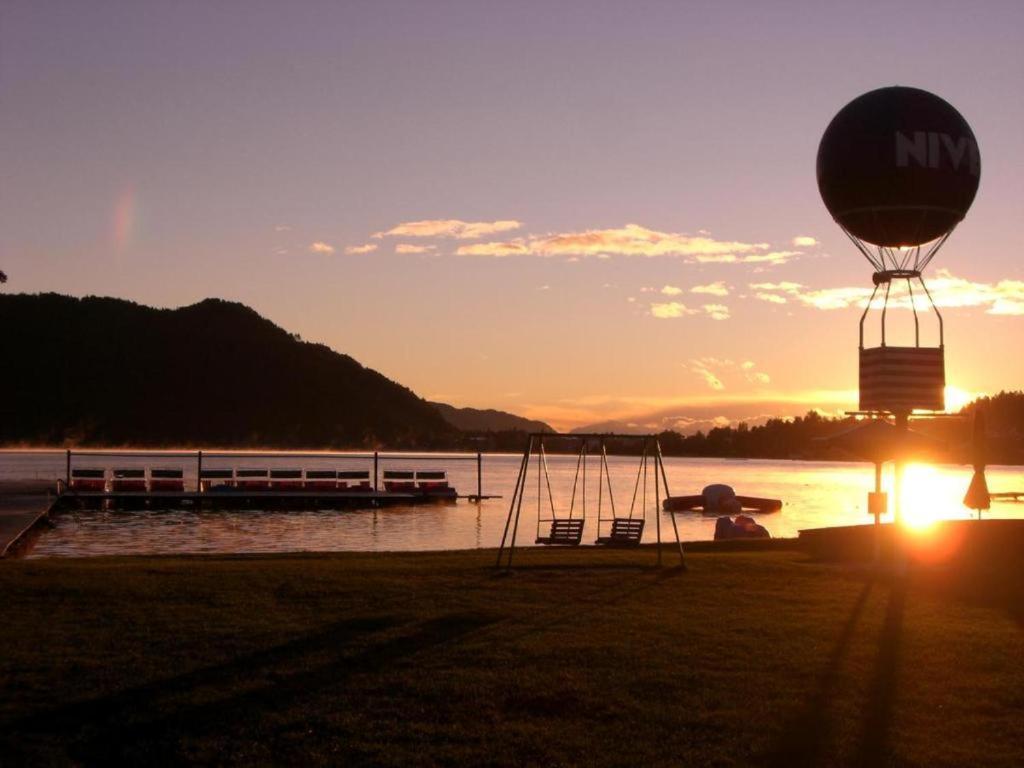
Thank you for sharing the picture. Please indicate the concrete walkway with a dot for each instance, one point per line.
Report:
(22, 504)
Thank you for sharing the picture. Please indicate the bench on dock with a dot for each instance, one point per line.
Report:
(567, 532)
(432, 480)
(399, 481)
(321, 480)
(286, 479)
(90, 480)
(166, 480)
(354, 479)
(252, 479)
(128, 481)
(625, 532)
(216, 478)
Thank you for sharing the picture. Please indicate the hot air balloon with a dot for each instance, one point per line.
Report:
(898, 169)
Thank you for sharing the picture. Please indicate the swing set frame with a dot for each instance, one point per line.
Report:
(567, 530)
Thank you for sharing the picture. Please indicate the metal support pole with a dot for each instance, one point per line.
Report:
(661, 463)
(520, 483)
(375, 465)
(519, 504)
(675, 525)
(878, 513)
(657, 498)
(897, 503)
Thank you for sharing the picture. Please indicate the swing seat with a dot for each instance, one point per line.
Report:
(567, 533)
(625, 532)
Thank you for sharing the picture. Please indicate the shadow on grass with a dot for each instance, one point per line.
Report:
(875, 743)
(806, 737)
(809, 736)
(149, 722)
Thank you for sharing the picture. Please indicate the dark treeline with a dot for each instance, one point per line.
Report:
(802, 437)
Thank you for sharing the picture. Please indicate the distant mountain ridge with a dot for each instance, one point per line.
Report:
(488, 420)
(103, 371)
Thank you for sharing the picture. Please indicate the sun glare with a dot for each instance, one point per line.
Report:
(957, 398)
(920, 496)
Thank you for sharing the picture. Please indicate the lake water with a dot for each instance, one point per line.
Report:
(815, 494)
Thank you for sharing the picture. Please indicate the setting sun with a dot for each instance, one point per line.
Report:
(957, 398)
(928, 495)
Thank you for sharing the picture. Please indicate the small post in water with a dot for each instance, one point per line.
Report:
(479, 477)
(199, 471)
(67, 469)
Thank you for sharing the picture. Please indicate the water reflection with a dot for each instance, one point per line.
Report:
(815, 494)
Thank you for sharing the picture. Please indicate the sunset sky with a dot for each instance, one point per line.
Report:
(575, 211)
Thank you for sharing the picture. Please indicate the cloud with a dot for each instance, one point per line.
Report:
(712, 289)
(353, 250)
(630, 240)
(714, 369)
(773, 258)
(703, 367)
(752, 374)
(685, 413)
(509, 248)
(450, 228)
(1005, 297)
(409, 248)
(804, 241)
(717, 311)
(670, 290)
(282, 228)
(321, 247)
(670, 309)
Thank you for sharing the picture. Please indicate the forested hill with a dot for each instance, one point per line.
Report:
(488, 420)
(105, 371)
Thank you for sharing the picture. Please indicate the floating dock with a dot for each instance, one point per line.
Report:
(247, 499)
(247, 480)
(24, 507)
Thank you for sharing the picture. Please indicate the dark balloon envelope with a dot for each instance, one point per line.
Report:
(898, 166)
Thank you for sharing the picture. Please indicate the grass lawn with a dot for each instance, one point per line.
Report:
(433, 659)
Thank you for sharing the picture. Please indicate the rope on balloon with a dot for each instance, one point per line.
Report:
(899, 263)
(886, 258)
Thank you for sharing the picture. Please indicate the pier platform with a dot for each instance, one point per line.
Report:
(24, 505)
(251, 499)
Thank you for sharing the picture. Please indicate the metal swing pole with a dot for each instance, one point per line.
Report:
(675, 526)
(519, 504)
(517, 495)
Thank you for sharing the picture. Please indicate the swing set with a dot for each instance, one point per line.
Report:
(565, 527)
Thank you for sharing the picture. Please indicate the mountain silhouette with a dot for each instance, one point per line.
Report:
(104, 371)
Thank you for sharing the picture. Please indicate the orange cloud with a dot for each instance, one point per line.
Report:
(717, 311)
(712, 289)
(671, 309)
(357, 249)
(321, 247)
(409, 248)
(630, 240)
(450, 228)
(1005, 297)
(510, 248)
